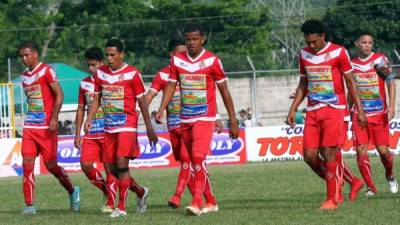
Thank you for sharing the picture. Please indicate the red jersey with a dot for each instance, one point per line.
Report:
(160, 81)
(119, 90)
(86, 93)
(370, 86)
(324, 72)
(197, 79)
(40, 97)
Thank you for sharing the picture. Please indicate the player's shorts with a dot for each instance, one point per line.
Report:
(121, 144)
(92, 150)
(197, 137)
(39, 141)
(376, 132)
(178, 147)
(323, 128)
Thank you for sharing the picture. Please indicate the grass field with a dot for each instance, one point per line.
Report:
(256, 193)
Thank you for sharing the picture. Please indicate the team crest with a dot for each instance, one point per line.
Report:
(327, 57)
(202, 65)
(121, 78)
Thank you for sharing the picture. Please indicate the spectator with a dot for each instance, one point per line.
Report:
(244, 120)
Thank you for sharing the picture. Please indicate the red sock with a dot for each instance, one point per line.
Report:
(28, 183)
(332, 180)
(365, 169)
(123, 193)
(63, 178)
(199, 181)
(135, 187)
(183, 178)
(344, 169)
(112, 187)
(97, 180)
(208, 194)
(387, 161)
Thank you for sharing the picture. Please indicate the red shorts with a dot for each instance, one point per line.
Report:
(197, 137)
(376, 132)
(92, 150)
(121, 144)
(35, 141)
(323, 128)
(178, 148)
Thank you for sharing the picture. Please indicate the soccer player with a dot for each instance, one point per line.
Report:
(371, 88)
(197, 71)
(92, 145)
(322, 67)
(120, 86)
(45, 98)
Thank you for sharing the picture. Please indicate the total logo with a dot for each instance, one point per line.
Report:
(161, 150)
(67, 153)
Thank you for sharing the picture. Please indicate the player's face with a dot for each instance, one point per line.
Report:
(29, 57)
(114, 57)
(178, 49)
(93, 65)
(365, 44)
(194, 42)
(315, 41)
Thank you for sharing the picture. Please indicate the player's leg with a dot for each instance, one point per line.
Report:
(311, 139)
(109, 158)
(29, 151)
(90, 152)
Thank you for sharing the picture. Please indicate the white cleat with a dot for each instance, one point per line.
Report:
(369, 193)
(141, 203)
(392, 183)
(209, 208)
(118, 213)
(193, 210)
(106, 209)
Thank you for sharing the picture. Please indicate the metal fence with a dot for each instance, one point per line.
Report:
(7, 117)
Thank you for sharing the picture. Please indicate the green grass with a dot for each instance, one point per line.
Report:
(255, 193)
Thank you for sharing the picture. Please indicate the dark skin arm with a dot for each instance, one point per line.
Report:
(355, 99)
(166, 98)
(92, 111)
(59, 98)
(80, 113)
(297, 100)
(144, 108)
(392, 99)
(227, 99)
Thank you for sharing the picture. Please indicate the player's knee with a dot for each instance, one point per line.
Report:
(28, 160)
(86, 166)
(185, 165)
(50, 165)
(309, 156)
(382, 149)
(362, 149)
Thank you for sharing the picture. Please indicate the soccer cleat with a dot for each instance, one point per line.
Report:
(141, 203)
(74, 200)
(29, 210)
(106, 209)
(327, 206)
(174, 201)
(209, 208)
(193, 210)
(118, 213)
(340, 199)
(356, 186)
(393, 186)
(369, 193)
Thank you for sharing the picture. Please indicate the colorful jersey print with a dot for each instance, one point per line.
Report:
(174, 106)
(197, 79)
(40, 97)
(86, 94)
(119, 91)
(371, 87)
(323, 71)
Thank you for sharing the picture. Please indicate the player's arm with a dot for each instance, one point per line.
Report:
(298, 98)
(150, 96)
(58, 100)
(392, 99)
(227, 99)
(80, 113)
(92, 111)
(168, 93)
(144, 108)
(355, 98)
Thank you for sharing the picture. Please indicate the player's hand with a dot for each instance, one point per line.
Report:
(78, 142)
(151, 135)
(159, 116)
(290, 119)
(87, 126)
(53, 126)
(361, 118)
(234, 129)
(391, 112)
(218, 126)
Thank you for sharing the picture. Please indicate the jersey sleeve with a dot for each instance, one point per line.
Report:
(81, 97)
(158, 83)
(138, 85)
(173, 71)
(344, 61)
(219, 73)
(51, 75)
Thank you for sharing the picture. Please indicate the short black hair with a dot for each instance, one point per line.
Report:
(189, 28)
(174, 43)
(115, 43)
(364, 32)
(29, 44)
(313, 27)
(94, 53)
